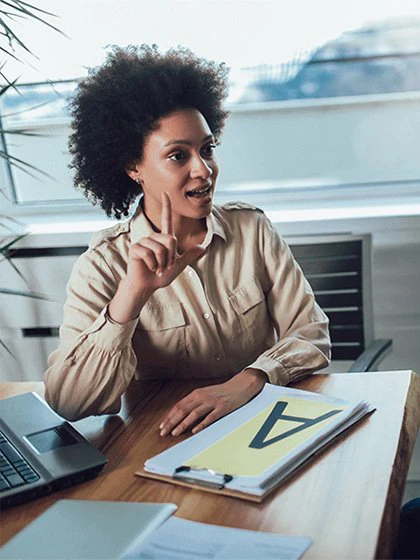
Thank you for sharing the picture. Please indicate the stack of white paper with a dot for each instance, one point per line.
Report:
(256, 447)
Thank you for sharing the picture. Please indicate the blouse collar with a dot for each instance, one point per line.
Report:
(140, 226)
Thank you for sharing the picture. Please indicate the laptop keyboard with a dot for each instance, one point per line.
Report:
(14, 469)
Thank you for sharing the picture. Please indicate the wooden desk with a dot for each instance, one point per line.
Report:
(347, 499)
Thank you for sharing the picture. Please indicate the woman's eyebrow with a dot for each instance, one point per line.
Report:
(186, 142)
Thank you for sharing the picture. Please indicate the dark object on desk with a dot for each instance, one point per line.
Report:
(339, 269)
(40, 452)
(408, 543)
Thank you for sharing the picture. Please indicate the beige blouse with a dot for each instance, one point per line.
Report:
(244, 303)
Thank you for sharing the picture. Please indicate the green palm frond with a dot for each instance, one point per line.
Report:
(4, 220)
(3, 345)
(23, 293)
(6, 254)
(6, 248)
(23, 165)
(15, 9)
(11, 12)
(8, 85)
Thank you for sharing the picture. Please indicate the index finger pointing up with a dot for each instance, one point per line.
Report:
(166, 214)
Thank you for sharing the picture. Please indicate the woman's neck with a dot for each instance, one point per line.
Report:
(188, 231)
(188, 238)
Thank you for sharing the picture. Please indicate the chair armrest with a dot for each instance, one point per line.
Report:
(372, 355)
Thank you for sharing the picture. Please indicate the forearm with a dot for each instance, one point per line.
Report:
(304, 344)
(95, 361)
(300, 353)
(97, 391)
(212, 402)
(87, 374)
(127, 302)
(248, 382)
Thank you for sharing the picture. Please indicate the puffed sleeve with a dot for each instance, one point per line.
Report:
(304, 344)
(94, 362)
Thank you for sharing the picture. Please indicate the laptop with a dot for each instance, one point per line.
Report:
(40, 452)
(88, 530)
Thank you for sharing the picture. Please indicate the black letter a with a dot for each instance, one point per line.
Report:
(259, 440)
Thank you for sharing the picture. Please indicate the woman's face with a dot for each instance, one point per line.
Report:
(178, 159)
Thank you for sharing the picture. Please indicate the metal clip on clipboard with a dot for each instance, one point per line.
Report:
(219, 483)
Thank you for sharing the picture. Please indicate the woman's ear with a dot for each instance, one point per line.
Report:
(134, 173)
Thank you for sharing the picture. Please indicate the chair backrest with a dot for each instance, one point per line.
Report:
(338, 267)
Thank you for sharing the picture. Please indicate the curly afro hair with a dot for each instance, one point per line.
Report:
(121, 102)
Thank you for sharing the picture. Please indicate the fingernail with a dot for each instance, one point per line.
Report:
(175, 432)
(161, 425)
(159, 273)
(163, 432)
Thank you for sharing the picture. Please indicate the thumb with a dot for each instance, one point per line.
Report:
(190, 256)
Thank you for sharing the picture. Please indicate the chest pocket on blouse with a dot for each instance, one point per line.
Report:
(159, 339)
(250, 307)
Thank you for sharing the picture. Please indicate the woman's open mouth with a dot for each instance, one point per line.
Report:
(198, 193)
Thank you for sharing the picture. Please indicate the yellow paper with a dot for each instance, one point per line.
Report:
(233, 454)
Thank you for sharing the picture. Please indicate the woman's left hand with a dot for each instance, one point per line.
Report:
(208, 404)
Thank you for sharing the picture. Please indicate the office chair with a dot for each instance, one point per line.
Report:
(338, 267)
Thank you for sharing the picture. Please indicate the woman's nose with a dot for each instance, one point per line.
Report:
(200, 169)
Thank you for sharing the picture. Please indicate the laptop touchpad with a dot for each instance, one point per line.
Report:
(51, 439)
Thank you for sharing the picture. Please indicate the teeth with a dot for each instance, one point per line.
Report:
(201, 191)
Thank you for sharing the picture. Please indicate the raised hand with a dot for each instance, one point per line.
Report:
(153, 263)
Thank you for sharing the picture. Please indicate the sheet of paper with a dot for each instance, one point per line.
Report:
(166, 462)
(268, 437)
(179, 454)
(179, 539)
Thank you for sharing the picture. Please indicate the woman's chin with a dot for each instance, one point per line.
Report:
(202, 205)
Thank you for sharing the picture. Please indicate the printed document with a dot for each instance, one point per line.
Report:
(179, 539)
(254, 448)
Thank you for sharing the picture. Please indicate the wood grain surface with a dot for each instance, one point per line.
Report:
(346, 499)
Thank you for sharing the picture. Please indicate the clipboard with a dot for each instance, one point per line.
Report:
(199, 486)
(250, 452)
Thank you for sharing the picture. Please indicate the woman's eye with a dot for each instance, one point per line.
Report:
(209, 150)
(178, 156)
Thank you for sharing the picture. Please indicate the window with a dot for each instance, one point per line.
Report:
(39, 114)
(378, 58)
(324, 106)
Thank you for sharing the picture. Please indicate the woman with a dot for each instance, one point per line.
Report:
(184, 289)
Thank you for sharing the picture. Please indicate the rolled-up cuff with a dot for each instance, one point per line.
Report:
(276, 373)
(110, 334)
